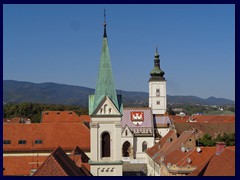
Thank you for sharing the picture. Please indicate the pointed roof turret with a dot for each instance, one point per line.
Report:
(157, 73)
(105, 83)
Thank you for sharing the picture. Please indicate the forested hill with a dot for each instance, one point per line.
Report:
(53, 93)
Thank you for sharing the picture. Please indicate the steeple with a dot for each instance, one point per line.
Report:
(105, 25)
(105, 83)
(157, 73)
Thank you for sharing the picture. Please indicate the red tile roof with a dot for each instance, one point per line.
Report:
(66, 135)
(180, 158)
(218, 165)
(206, 118)
(60, 116)
(85, 118)
(80, 158)
(59, 164)
(158, 151)
(21, 165)
(163, 143)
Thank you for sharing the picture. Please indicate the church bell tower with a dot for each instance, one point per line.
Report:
(157, 88)
(105, 109)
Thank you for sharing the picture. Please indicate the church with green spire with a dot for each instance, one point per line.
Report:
(105, 109)
(123, 134)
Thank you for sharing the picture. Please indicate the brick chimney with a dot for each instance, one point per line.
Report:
(220, 146)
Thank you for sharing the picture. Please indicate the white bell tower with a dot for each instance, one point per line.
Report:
(157, 88)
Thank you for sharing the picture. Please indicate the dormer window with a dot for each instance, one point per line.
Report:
(6, 141)
(22, 142)
(38, 141)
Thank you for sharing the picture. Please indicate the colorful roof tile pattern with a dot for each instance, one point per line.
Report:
(144, 122)
(158, 119)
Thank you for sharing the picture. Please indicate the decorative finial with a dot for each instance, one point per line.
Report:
(156, 53)
(105, 16)
(105, 24)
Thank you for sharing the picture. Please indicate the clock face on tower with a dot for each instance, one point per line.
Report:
(137, 117)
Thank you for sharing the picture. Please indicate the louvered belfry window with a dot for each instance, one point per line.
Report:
(105, 145)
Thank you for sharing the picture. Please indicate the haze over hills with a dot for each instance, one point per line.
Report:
(53, 93)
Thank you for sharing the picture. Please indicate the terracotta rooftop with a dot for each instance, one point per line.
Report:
(206, 118)
(60, 116)
(85, 118)
(59, 164)
(165, 141)
(158, 151)
(21, 165)
(218, 165)
(192, 157)
(46, 136)
(80, 158)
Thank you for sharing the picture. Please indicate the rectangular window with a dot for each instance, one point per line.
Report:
(158, 102)
(157, 92)
(38, 141)
(22, 142)
(6, 141)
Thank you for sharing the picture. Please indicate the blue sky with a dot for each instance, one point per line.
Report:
(62, 44)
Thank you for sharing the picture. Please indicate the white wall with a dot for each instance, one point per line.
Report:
(106, 170)
(163, 131)
(153, 97)
(139, 141)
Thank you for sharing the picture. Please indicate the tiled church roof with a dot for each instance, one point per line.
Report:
(161, 119)
(126, 119)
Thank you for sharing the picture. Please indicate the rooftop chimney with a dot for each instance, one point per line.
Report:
(220, 146)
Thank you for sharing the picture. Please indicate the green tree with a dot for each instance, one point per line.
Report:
(206, 140)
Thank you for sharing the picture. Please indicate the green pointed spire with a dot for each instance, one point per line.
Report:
(105, 83)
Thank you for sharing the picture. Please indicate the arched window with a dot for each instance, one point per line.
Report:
(126, 148)
(105, 145)
(144, 146)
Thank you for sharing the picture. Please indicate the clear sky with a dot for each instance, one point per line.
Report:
(62, 44)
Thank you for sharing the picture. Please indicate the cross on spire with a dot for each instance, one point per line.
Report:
(105, 24)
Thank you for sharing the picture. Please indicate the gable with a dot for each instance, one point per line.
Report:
(106, 108)
(126, 132)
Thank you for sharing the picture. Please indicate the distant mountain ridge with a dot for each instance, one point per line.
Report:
(53, 93)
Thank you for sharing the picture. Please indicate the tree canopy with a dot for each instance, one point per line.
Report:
(33, 110)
